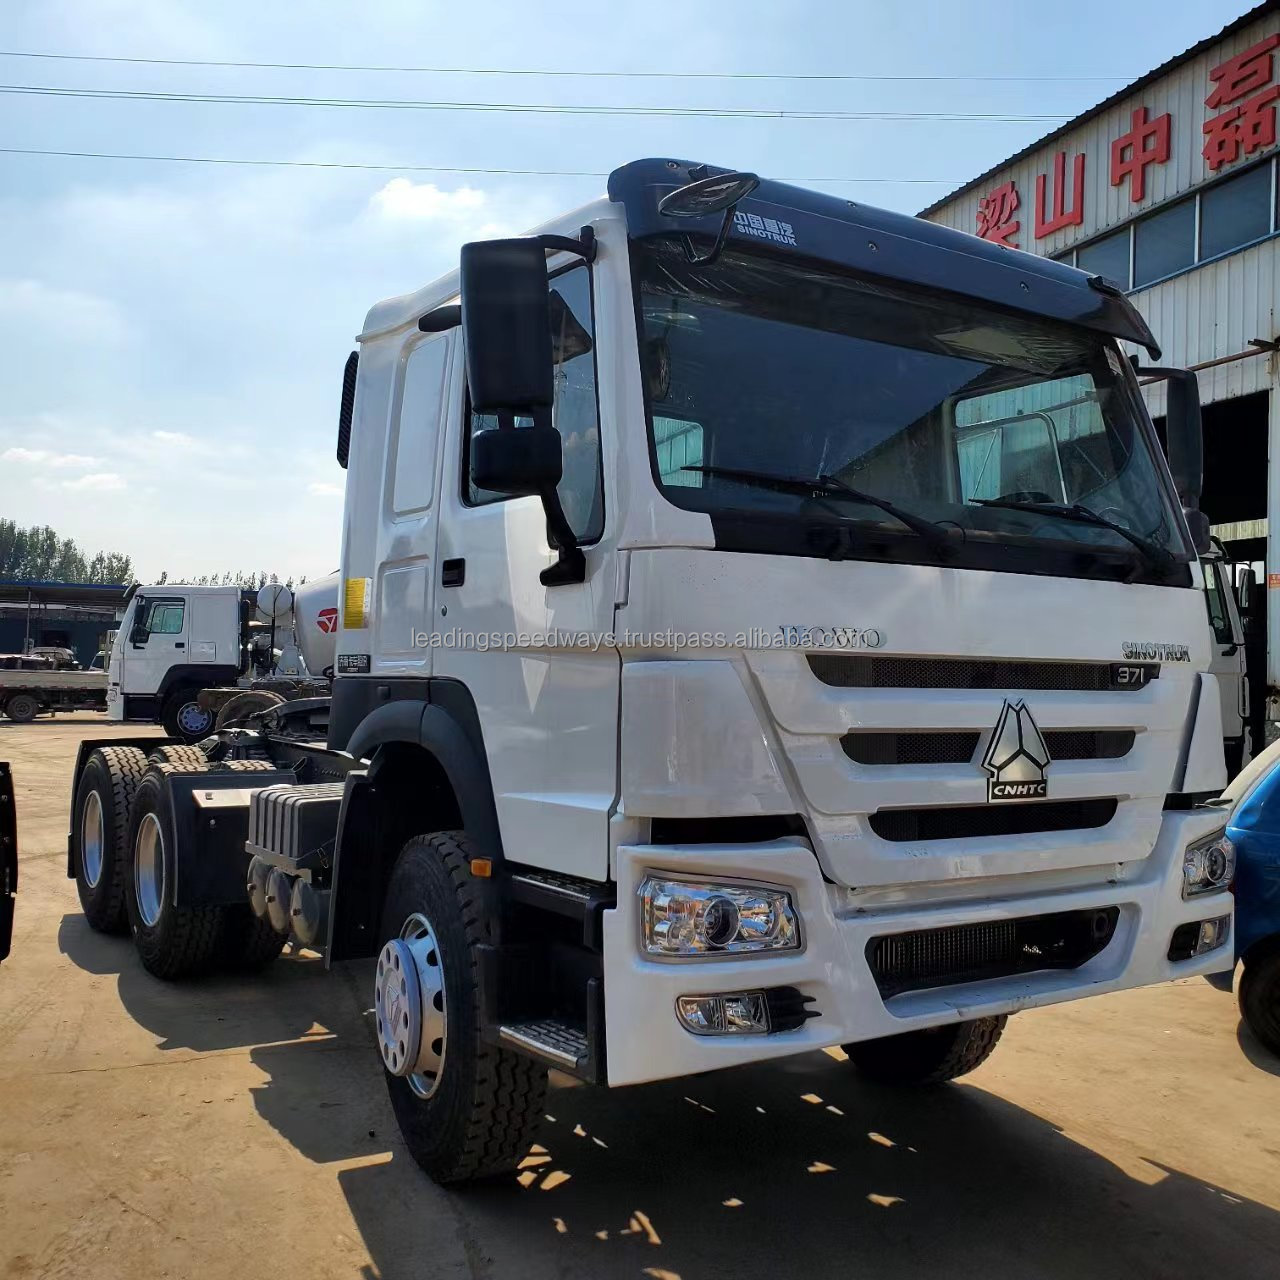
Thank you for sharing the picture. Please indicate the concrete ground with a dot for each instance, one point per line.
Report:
(241, 1129)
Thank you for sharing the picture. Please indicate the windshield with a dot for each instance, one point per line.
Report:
(937, 405)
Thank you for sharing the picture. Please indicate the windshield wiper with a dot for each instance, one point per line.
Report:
(826, 486)
(1157, 556)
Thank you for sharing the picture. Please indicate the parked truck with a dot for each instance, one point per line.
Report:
(718, 676)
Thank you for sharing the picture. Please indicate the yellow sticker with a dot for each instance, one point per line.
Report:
(355, 603)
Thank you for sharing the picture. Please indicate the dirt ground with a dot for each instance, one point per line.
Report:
(241, 1129)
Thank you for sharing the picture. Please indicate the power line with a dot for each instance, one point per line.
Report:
(519, 108)
(556, 73)
(404, 168)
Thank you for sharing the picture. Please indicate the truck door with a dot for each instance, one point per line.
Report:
(388, 558)
(538, 661)
(1228, 657)
(157, 639)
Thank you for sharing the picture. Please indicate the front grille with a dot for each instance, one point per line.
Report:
(958, 746)
(911, 748)
(958, 821)
(974, 952)
(864, 671)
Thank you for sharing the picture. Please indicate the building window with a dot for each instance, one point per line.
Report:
(1107, 257)
(1164, 243)
(1235, 212)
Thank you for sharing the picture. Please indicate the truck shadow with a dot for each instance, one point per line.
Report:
(781, 1170)
(776, 1170)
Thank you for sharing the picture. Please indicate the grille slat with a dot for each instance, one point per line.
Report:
(958, 746)
(956, 822)
(974, 952)
(866, 671)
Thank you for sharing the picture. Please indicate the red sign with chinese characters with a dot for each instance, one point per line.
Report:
(995, 215)
(1249, 122)
(1063, 216)
(1147, 142)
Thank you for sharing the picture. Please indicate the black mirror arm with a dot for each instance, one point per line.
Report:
(571, 564)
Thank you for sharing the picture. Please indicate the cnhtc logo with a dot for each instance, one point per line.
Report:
(1016, 756)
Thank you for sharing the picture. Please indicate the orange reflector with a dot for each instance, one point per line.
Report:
(482, 867)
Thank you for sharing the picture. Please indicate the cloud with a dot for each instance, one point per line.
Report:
(323, 489)
(176, 439)
(96, 481)
(34, 304)
(47, 458)
(402, 198)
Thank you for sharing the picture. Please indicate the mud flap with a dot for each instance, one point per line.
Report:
(8, 858)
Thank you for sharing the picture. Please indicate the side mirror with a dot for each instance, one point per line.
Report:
(522, 461)
(1184, 444)
(1244, 590)
(506, 323)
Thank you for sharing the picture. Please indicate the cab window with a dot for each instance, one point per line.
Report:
(164, 617)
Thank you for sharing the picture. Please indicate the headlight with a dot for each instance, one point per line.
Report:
(1208, 865)
(694, 918)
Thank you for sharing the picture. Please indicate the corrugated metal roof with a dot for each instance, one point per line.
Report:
(1165, 68)
(110, 594)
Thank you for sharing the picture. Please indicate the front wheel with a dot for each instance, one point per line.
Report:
(22, 708)
(929, 1056)
(467, 1109)
(1260, 998)
(184, 718)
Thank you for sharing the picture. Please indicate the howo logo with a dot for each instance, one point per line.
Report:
(327, 620)
(1016, 757)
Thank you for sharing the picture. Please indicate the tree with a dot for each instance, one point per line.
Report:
(239, 578)
(39, 554)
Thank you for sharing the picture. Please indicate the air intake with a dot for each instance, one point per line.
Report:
(957, 822)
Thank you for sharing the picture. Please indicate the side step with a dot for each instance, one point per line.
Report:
(555, 1042)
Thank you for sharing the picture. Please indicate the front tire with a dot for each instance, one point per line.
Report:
(929, 1056)
(184, 718)
(100, 834)
(471, 1109)
(22, 708)
(172, 941)
(1259, 998)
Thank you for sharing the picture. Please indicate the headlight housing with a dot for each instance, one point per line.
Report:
(690, 918)
(1209, 865)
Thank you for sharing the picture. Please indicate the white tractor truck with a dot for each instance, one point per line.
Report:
(767, 623)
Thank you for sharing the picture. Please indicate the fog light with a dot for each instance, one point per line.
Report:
(688, 918)
(732, 1013)
(1208, 865)
(1198, 937)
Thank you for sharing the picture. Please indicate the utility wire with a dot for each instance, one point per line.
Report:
(525, 71)
(407, 104)
(403, 168)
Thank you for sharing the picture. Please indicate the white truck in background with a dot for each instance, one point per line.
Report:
(719, 677)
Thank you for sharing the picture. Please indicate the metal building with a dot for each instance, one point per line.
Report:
(1169, 188)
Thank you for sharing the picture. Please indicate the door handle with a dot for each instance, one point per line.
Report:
(179, 644)
(453, 573)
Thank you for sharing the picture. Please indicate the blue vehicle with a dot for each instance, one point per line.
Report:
(1254, 829)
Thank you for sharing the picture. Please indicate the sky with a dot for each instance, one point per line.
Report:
(172, 335)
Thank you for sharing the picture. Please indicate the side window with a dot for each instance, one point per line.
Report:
(1219, 618)
(678, 444)
(418, 427)
(164, 617)
(575, 413)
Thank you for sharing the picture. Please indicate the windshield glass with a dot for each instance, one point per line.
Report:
(933, 403)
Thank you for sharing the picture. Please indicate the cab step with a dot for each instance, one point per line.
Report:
(555, 1042)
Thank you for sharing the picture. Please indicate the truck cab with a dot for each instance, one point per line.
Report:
(766, 623)
(174, 641)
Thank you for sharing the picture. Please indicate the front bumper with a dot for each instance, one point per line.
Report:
(646, 1042)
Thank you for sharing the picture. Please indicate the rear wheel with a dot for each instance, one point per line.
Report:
(184, 755)
(929, 1056)
(172, 941)
(100, 832)
(185, 718)
(22, 708)
(1260, 998)
(467, 1109)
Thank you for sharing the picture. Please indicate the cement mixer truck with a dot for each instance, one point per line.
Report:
(187, 655)
(766, 623)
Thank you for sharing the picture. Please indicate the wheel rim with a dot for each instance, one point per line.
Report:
(409, 1005)
(148, 869)
(194, 720)
(91, 840)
